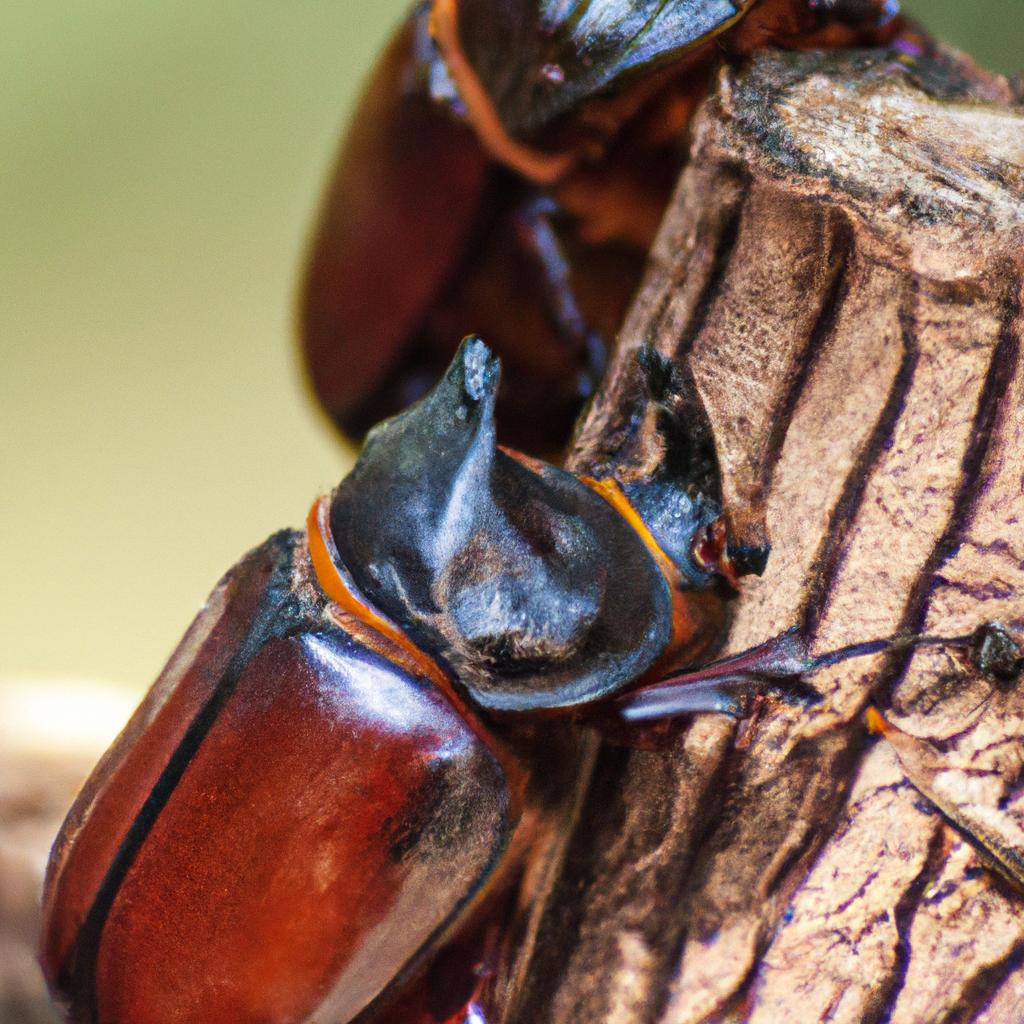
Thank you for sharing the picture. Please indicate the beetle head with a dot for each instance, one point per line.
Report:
(533, 589)
(539, 59)
(688, 527)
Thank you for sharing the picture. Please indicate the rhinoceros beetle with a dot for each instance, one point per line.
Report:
(346, 759)
(506, 172)
(334, 770)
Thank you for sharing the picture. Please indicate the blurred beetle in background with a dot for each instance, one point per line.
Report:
(505, 173)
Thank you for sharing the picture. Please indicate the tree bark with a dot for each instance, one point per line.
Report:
(839, 279)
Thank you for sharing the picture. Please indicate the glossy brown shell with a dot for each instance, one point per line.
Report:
(400, 210)
(289, 823)
(426, 233)
(419, 242)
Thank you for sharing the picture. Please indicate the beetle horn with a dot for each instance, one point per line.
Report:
(453, 418)
(410, 487)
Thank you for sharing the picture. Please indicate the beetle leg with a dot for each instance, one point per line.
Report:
(722, 686)
(726, 696)
(991, 649)
(783, 660)
(536, 234)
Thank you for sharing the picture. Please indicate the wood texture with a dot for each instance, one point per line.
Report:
(839, 278)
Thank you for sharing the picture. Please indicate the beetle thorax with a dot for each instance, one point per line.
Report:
(525, 581)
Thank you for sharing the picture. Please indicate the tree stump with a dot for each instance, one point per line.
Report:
(839, 279)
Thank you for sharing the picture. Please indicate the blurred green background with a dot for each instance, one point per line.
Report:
(162, 164)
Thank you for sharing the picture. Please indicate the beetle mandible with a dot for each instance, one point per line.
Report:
(355, 742)
(506, 172)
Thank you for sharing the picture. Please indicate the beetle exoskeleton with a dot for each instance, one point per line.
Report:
(293, 816)
(505, 173)
(324, 782)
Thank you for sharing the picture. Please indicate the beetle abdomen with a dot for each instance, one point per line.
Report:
(335, 815)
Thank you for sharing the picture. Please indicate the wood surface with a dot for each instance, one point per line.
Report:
(839, 279)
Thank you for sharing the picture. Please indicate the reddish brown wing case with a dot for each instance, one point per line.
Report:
(289, 822)
(423, 239)
(401, 207)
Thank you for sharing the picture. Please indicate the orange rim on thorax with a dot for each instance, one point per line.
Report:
(684, 627)
(325, 559)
